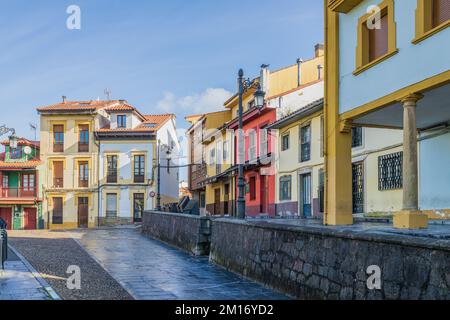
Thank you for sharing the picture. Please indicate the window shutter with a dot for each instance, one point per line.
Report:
(58, 167)
(441, 11)
(379, 40)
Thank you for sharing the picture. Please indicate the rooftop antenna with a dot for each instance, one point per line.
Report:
(107, 93)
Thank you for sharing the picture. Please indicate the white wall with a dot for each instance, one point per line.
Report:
(434, 173)
(413, 63)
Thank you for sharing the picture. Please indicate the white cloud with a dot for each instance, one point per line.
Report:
(210, 100)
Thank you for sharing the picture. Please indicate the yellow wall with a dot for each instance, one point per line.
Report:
(70, 157)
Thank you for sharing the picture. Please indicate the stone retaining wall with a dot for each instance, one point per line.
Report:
(188, 232)
(324, 263)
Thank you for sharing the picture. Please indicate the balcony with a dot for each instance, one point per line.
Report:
(9, 193)
(58, 147)
(111, 177)
(83, 147)
(139, 179)
(58, 182)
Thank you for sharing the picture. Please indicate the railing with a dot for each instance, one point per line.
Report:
(58, 182)
(139, 179)
(83, 147)
(18, 192)
(58, 147)
(111, 177)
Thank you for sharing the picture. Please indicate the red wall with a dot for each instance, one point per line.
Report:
(253, 207)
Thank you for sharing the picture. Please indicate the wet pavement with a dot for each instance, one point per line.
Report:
(17, 282)
(149, 269)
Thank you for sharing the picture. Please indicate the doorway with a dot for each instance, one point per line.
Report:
(83, 212)
(138, 207)
(217, 201)
(226, 199)
(6, 214)
(305, 195)
(263, 194)
(30, 218)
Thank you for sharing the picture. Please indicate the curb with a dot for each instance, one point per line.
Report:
(36, 275)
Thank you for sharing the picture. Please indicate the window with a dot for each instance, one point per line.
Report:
(305, 141)
(321, 191)
(219, 157)
(432, 16)
(376, 37)
(83, 142)
(111, 205)
(357, 137)
(285, 188)
(57, 217)
(251, 104)
(212, 156)
(111, 176)
(139, 168)
(225, 151)
(122, 121)
(252, 145)
(58, 138)
(285, 142)
(58, 174)
(264, 143)
(16, 153)
(441, 12)
(390, 171)
(252, 188)
(5, 182)
(28, 184)
(83, 174)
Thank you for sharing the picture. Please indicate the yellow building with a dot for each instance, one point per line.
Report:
(70, 159)
(387, 67)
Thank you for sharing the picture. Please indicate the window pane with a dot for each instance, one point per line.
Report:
(378, 39)
(441, 12)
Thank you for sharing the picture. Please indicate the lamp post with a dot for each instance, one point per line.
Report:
(244, 85)
(168, 158)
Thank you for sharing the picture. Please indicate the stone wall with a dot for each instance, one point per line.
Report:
(188, 232)
(316, 262)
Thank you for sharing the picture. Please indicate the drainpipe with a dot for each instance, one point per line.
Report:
(299, 71)
(98, 176)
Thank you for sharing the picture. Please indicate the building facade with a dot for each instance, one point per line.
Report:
(20, 186)
(74, 189)
(387, 67)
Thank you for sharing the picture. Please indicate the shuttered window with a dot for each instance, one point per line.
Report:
(83, 174)
(441, 12)
(58, 138)
(58, 174)
(57, 217)
(379, 39)
(252, 188)
(83, 143)
(111, 205)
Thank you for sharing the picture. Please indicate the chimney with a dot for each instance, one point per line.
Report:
(318, 48)
(299, 72)
(123, 101)
(64, 98)
(264, 78)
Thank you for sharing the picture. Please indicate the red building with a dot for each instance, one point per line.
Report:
(258, 168)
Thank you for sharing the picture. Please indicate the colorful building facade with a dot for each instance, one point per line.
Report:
(20, 186)
(387, 67)
(76, 139)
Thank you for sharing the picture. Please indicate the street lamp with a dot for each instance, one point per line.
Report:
(168, 157)
(244, 85)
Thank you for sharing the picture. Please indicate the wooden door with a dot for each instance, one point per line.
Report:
(216, 201)
(58, 174)
(263, 194)
(305, 197)
(30, 218)
(138, 206)
(6, 214)
(83, 212)
(226, 199)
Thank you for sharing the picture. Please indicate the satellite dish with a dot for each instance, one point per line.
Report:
(27, 150)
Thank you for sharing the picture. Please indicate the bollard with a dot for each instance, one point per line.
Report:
(3, 247)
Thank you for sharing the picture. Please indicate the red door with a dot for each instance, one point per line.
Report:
(30, 218)
(263, 195)
(6, 214)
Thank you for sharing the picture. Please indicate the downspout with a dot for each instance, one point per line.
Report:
(98, 171)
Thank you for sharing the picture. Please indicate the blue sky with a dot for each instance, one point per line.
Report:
(178, 56)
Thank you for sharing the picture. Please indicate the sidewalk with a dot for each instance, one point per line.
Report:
(19, 281)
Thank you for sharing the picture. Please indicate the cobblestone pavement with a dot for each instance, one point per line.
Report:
(150, 270)
(18, 283)
(51, 253)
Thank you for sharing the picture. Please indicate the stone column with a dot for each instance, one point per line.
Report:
(410, 217)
